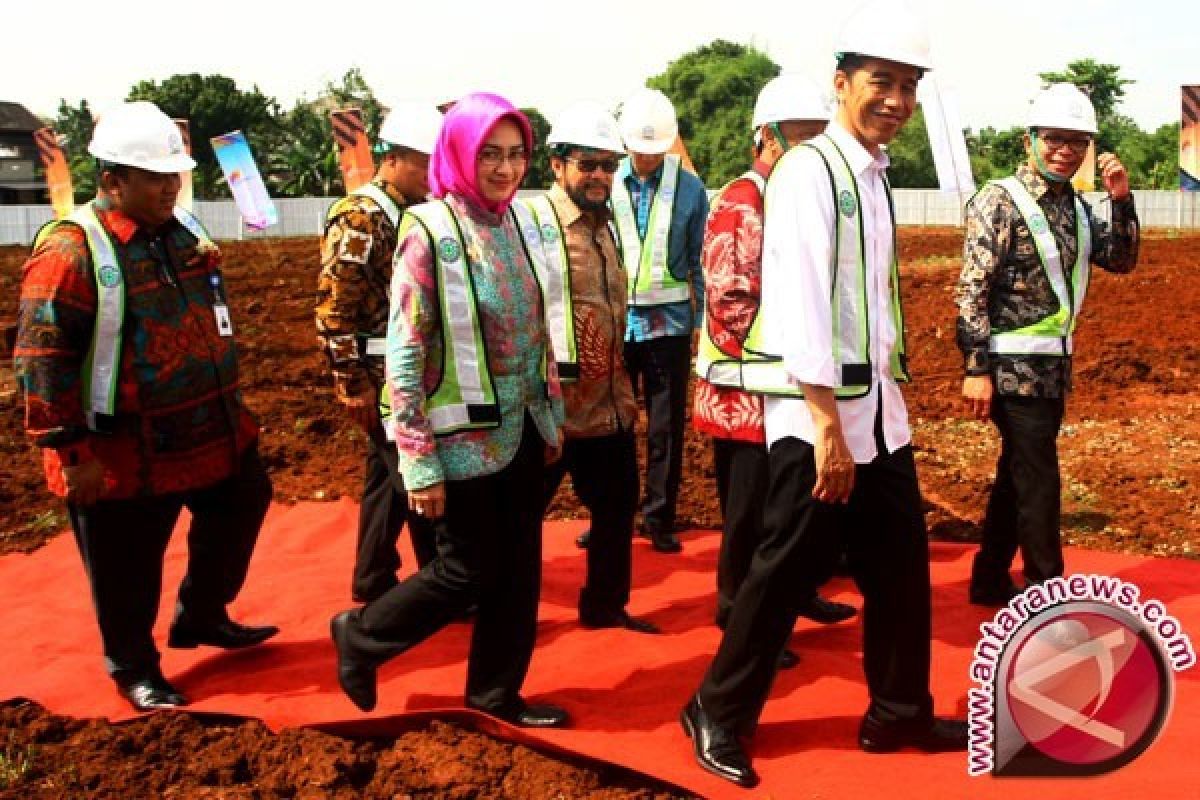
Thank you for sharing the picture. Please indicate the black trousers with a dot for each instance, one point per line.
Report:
(489, 552)
(1025, 505)
(660, 367)
(888, 555)
(604, 474)
(123, 542)
(382, 514)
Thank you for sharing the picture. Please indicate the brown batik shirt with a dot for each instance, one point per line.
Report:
(352, 290)
(1004, 286)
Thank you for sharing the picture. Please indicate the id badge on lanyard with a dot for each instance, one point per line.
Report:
(220, 310)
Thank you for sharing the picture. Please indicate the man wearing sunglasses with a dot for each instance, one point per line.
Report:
(586, 319)
(1030, 241)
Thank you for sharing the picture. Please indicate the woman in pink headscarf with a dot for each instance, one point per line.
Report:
(475, 411)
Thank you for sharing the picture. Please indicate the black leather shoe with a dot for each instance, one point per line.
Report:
(826, 612)
(621, 619)
(228, 634)
(788, 659)
(149, 694)
(993, 597)
(356, 679)
(584, 539)
(931, 734)
(527, 716)
(717, 749)
(665, 542)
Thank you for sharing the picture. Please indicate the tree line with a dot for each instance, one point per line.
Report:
(713, 88)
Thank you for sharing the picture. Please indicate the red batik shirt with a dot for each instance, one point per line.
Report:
(733, 286)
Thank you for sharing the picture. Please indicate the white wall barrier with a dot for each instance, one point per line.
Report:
(305, 216)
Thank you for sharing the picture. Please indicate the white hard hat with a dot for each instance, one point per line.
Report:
(412, 125)
(889, 30)
(648, 123)
(586, 124)
(1065, 106)
(790, 96)
(139, 135)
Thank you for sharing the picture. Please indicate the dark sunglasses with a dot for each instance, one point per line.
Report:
(585, 165)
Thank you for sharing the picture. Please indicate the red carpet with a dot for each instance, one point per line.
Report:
(623, 690)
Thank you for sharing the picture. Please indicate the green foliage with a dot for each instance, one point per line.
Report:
(713, 89)
(911, 156)
(74, 127)
(213, 105)
(539, 175)
(995, 154)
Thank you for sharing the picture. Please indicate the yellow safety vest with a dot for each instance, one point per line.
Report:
(646, 262)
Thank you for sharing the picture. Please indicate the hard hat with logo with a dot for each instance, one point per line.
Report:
(889, 30)
(139, 135)
(787, 97)
(1065, 106)
(412, 125)
(648, 123)
(586, 124)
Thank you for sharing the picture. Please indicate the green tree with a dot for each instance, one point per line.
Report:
(995, 153)
(213, 105)
(911, 156)
(539, 175)
(74, 126)
(713, 89)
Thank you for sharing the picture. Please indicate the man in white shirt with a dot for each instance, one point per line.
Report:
(840, 446)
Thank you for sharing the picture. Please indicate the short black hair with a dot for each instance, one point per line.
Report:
(851, 63)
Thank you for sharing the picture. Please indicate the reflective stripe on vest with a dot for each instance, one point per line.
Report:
(1051, 335)
(851, 334)
(712, 363)
(385, 203)
(646, 262)
(555, 279)
(101, 367)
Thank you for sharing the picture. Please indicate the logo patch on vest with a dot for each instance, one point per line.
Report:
(109, 276)
(1038, 224)
(846, 203)
(549, 233)
(448, 250)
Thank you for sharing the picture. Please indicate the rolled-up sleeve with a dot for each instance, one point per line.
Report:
(413, 324)
(797, 269)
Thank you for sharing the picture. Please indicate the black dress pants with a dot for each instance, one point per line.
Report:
(489, 552)
(604, 474)
(1024, 508)
(660, 367)
(123, 542)
(888, 555)
(741, 470)
(383, 512)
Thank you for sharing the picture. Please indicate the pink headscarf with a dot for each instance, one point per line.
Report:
(465, 128)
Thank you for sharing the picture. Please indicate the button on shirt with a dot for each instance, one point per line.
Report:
(798, 246)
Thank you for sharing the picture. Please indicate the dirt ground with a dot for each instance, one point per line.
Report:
(1130, 462)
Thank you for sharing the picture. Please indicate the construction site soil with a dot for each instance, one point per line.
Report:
(1129, 451)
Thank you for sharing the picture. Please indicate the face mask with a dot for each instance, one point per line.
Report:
(1042, 169)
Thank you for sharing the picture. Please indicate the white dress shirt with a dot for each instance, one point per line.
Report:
(798, 239)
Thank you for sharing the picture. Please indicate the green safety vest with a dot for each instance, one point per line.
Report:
(556, 285)
(102, 366)
(764, 372)
(1053, 334)
(650, 280)
(465, 397)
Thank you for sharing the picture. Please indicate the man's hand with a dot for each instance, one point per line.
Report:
(429, 502)
(85, 483)
(1112, 172)
(362, 408)
(835, 465)
(977, 393)
(554, 452)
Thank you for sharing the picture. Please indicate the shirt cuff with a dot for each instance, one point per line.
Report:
(977, 362)
(420, 471)
(815, 369)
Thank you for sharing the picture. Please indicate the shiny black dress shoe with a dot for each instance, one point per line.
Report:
(620, 619)
(356, 679)
(929, 734)
(584, 539)
(788, 659)
(665, 542)
(229, 635)
(826, 612)
(717, 749)
(530, 716)
(152, 693)
(992, 597)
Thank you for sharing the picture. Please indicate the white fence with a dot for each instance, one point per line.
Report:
(304, 216)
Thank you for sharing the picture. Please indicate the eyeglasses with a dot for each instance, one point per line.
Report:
(1076, 144)
(494, 156)
(586, 165)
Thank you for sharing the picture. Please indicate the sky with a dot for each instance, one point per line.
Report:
(548, 54)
